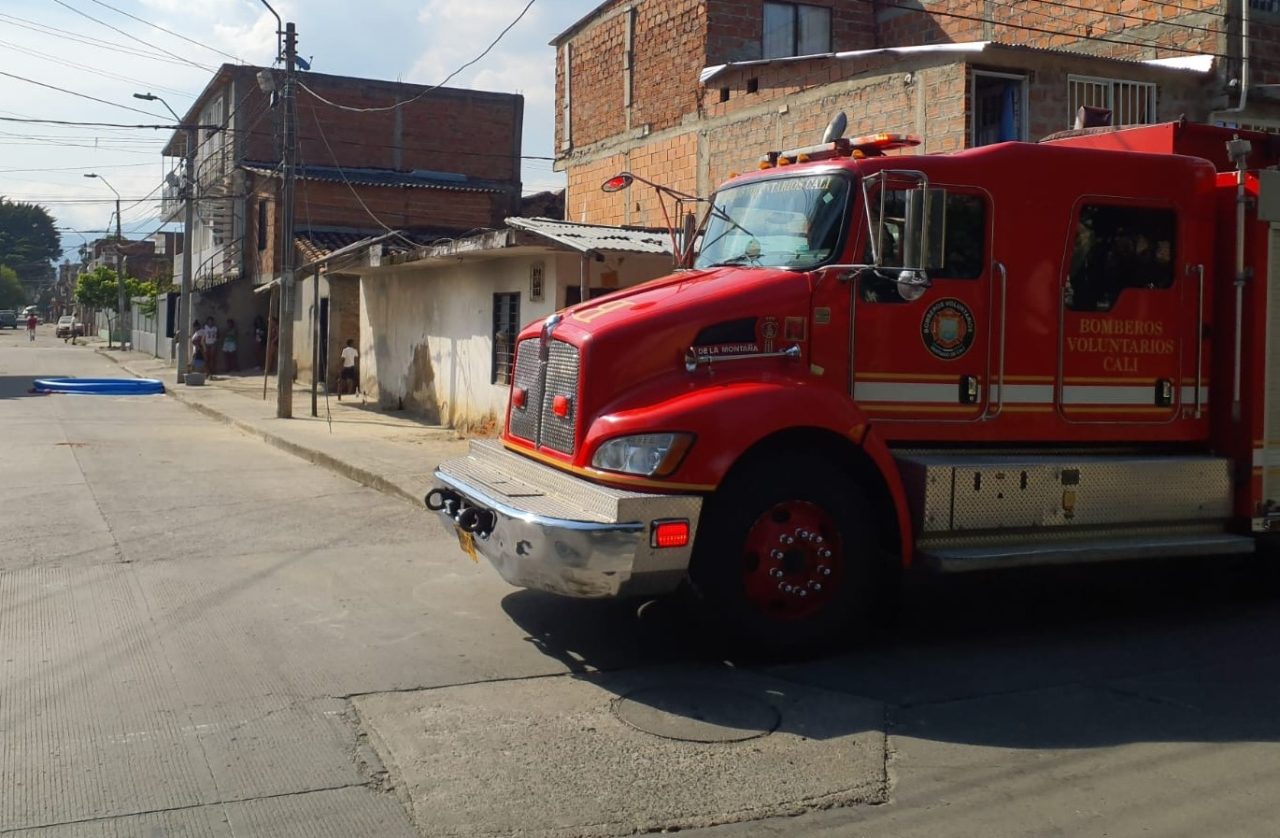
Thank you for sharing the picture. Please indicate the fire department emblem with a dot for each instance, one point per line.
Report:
(947, 329)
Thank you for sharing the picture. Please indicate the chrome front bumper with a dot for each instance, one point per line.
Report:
(545, 529)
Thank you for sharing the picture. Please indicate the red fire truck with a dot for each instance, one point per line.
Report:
(1020, 354)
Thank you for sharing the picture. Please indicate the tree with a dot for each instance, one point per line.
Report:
(28, 241)
(97, 289)
(12, 294)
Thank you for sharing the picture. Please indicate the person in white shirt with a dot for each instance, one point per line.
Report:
(210, 331)
(348, 375)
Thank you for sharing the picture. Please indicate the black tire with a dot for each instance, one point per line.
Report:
(744, 619)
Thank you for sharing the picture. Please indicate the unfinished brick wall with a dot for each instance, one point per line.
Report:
(1115, 28)
(735, 30)
(465, 131)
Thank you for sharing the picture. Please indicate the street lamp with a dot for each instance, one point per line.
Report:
(188, 190)
(119, 264)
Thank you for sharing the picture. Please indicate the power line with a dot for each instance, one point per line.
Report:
(80, 95)
(426, 90)
(87, 40)
(131, 36)
(169, 31)
(84, 124)
(78, 168)
(85, 67)
(1038, 30)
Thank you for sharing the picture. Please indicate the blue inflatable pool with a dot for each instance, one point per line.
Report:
(100, 386)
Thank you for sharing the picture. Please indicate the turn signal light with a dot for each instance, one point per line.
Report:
(560, 406)
(670, 534)
(519, 397)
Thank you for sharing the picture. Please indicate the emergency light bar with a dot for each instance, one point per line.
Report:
(870, 145)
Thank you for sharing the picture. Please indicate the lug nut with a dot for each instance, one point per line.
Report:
(817, 539)
(802, 534)
(824, 570)
(775, 573)
(786, 539)
(824, 553)
(776, 555)
(803, 592)
(817, 586)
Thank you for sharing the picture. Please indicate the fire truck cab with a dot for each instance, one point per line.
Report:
(1012, 355)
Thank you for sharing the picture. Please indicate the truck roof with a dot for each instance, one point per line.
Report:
(1193, 139)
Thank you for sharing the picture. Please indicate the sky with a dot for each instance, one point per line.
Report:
(95, 49)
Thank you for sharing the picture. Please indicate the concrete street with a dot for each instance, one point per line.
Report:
(204, 634)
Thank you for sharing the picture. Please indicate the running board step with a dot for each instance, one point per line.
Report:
(993, 557)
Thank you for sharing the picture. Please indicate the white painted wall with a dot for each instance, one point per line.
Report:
(426, 329)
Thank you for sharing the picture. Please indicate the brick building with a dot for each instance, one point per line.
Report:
(687, 92)
(374, 155)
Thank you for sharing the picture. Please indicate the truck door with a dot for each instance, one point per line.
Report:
(1120, 348)
(927, 359)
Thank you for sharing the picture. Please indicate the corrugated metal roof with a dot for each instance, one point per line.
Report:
(315, 244)
(1193, 63)
(419, 179)
(598, 237)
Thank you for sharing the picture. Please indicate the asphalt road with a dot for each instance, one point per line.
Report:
(201, 635)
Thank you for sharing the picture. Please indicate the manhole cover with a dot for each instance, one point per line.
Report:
(694, 712)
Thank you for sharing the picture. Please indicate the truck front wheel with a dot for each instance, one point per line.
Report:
(787, 559)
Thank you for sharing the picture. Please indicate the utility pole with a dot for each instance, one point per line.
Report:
(189, 220)
(119, 276)
(188, 224)
(284, 359)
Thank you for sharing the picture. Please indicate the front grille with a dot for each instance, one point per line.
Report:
(562, 380)
(528, 376)
(537, 423)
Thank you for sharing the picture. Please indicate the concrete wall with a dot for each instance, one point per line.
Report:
(149, 330)
(426, 329)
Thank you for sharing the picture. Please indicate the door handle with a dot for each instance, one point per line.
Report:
(970, 389)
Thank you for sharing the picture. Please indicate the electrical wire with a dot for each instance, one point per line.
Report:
(133, 37)
(80, 95)
(88, 69)
(87, 40)
(315, 116)
(426, 90)
(169, 31)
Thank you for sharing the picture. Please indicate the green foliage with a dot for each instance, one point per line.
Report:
(98, 289)
(28, 240)
(12, 294)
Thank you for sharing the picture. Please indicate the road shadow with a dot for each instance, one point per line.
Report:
(1047, 658)
(20, 386)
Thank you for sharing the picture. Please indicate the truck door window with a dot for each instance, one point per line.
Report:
(1116, 248)
(966, 220)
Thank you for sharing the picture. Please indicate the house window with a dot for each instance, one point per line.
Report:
(999, 108)
(796, 29)
(506, 326)
(1130, 102)
(262, 225)
(1116, 248)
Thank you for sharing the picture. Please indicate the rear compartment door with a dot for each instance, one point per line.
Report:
(1127, 311)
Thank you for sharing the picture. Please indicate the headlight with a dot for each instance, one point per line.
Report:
(650, 455)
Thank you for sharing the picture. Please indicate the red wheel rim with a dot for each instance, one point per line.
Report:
(792, 560)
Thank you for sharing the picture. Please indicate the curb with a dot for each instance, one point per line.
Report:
(352, 472)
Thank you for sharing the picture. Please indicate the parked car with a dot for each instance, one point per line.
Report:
(68, 326)
(30, 310)
(8, 319)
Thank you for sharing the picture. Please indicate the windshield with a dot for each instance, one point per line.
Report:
(790, 222)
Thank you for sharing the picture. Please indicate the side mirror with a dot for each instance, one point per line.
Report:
(924, 234)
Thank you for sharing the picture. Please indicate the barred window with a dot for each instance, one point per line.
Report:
(1130, 102)
(506, 326)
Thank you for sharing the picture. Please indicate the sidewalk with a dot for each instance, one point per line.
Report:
(387, 451)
